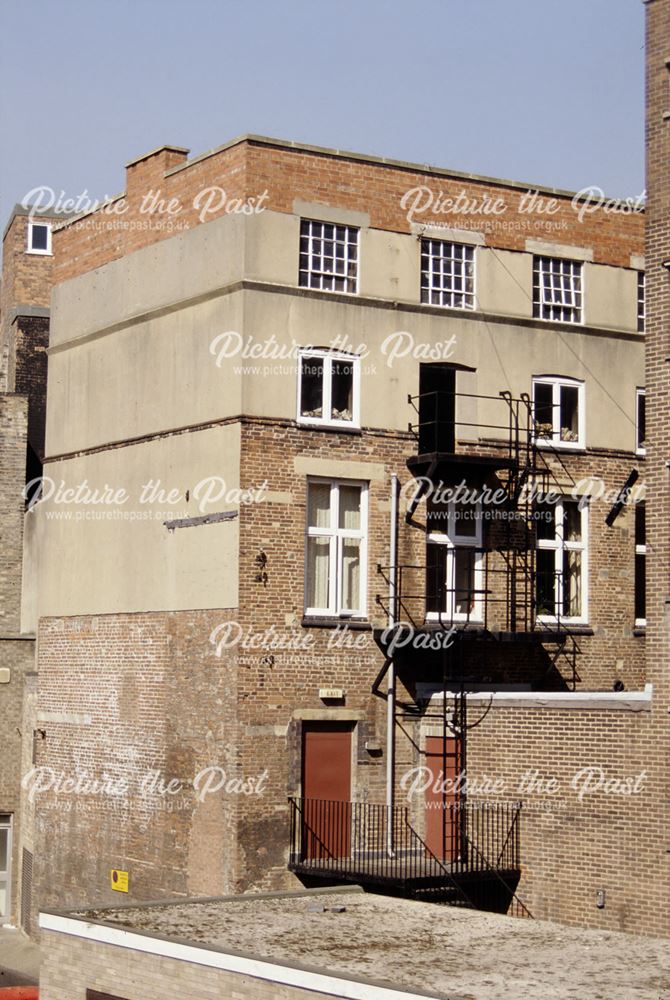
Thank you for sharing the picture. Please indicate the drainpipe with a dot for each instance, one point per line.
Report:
(391, 694)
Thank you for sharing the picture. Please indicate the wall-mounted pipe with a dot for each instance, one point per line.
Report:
(391, 692)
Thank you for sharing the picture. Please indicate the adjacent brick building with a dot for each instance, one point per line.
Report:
(27, 264)
(657, 253)
(267, 348)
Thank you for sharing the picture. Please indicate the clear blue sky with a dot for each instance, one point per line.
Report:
(544, 91)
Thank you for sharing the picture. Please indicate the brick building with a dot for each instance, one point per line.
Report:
(657, 247)
(267, 630)
(27, 263)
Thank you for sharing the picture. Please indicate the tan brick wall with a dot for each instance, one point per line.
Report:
(572, 848)
(71, 966)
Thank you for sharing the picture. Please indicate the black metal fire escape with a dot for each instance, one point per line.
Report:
(490, 615)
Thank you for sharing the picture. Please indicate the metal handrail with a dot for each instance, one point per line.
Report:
(350, 839)
(512, 427)
(518, 615)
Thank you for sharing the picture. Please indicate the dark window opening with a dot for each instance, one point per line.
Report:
(342, 405)
(436, 576)
(437, 408)
(641, 421)
(544, 417)
(34, 470)
(311, 387)
(39, 237)
(545, 578)
(640, 563)
(569, 413)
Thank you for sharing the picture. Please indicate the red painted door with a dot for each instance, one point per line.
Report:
(326, 789)
(442, 814)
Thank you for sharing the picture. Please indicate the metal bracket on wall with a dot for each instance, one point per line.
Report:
(193, 522)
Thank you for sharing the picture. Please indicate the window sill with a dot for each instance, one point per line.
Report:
(640, 629)
(576, 628)
(560, 322)
(40, 253)
(354, 624)
(332, 428)
(560, 445)
(434, 621)
(458, 309)
(328, 291)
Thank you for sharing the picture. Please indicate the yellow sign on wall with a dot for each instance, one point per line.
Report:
(119, 880)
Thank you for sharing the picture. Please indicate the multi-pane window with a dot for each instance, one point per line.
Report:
(336, 548)
(561, 560)
(328, 256)
(640, 422)
(39, 237)
(640, 301)
(454, 578)
(447, 274)
(557, 289)
(558, 411)
(328, 388)
(640, 563)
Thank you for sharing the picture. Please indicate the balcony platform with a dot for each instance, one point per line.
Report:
(452, 466)
(429, 873)
(375, 846)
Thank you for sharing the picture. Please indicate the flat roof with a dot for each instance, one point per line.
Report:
(421, 948)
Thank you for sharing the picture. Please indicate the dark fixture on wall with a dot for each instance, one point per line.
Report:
(622, 498)
(262, 561)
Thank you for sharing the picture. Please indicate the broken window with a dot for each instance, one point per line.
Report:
(447, 274)
(311, 387)
(557, 289)
(328, 256)
(558, 412)
(328, 390)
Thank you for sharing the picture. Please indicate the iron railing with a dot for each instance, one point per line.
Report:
(370, 842)
(520, 428)
(495, 591)
(440, 423)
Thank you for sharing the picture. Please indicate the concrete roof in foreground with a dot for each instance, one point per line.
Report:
(422, 948)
